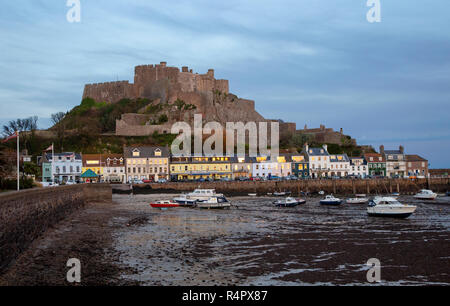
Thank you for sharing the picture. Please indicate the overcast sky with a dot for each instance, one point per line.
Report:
(308, 61)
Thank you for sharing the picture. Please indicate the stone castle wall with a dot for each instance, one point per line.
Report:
(149, 80)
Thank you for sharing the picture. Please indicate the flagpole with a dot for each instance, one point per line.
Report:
(18, 160)
(53, 160)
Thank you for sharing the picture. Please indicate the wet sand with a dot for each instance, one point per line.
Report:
(254, 243)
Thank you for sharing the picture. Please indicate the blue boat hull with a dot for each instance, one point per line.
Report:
(331, 203)
(400, 216)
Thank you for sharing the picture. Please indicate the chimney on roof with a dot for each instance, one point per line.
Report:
(382, 150)
(402, 150)
(306, 146)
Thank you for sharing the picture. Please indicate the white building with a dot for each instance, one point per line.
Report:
(395, 162)
(114, 169)
(358, 167)
(339, 165)
(319, 160)
(66, 167)
(264, 167)
(146, 163)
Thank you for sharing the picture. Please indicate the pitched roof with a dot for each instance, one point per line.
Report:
(146, 151)
(89, 174)
(375, 156)
(48, 156)
(415, 158)
(335, 158)
(317, 152)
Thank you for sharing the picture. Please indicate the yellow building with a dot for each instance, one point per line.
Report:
(93, 162)
(194, 168)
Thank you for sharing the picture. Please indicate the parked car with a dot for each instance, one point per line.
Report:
(255, 178)
(162, 180)
(147, 181)
(275, 178)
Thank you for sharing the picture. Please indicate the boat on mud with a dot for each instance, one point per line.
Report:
(425, 194)
(164, 204)
(389, 207)
(289, 202)
(281, 193)
(216, 202)
(203, 194)
(331, 200)
(357, 200)
(185, 200)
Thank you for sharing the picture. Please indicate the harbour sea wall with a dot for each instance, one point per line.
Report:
(341, 186)
(26, 214)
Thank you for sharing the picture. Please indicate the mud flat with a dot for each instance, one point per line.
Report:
(253, 243)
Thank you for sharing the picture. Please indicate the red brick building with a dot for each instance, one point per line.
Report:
(416, 166)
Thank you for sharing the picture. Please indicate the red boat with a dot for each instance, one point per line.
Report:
(164, 204)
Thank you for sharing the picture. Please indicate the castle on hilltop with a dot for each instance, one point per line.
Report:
(203, 93)
(151, 80)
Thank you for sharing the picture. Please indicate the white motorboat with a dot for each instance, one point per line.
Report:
(214, 203)
(389, 207)
(425, 194)
(281, 193)
(203, 194)
(289, 202)
(321, 192)
(185, 200)
(357, 200)
(331, 200)
(252, 194)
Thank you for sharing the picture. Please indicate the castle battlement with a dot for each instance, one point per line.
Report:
(149, 82)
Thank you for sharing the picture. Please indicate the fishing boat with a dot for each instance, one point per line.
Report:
(164, 204)
(215, 202)
(389, 207)
(357, 200)
(425, 194)
(203, 194)
(281, 193)
(331, 200)
(289, 202)
(184, 200)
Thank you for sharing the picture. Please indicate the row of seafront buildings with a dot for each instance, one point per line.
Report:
(155, 163)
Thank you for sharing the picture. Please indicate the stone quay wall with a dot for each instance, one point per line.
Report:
(341, 186)
(25, 215)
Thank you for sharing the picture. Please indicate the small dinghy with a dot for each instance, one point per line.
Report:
(252, 194)
(164, 204)
(289, 202)
(426, 195)
(331, 200)
(281, 194)
(357, 200)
